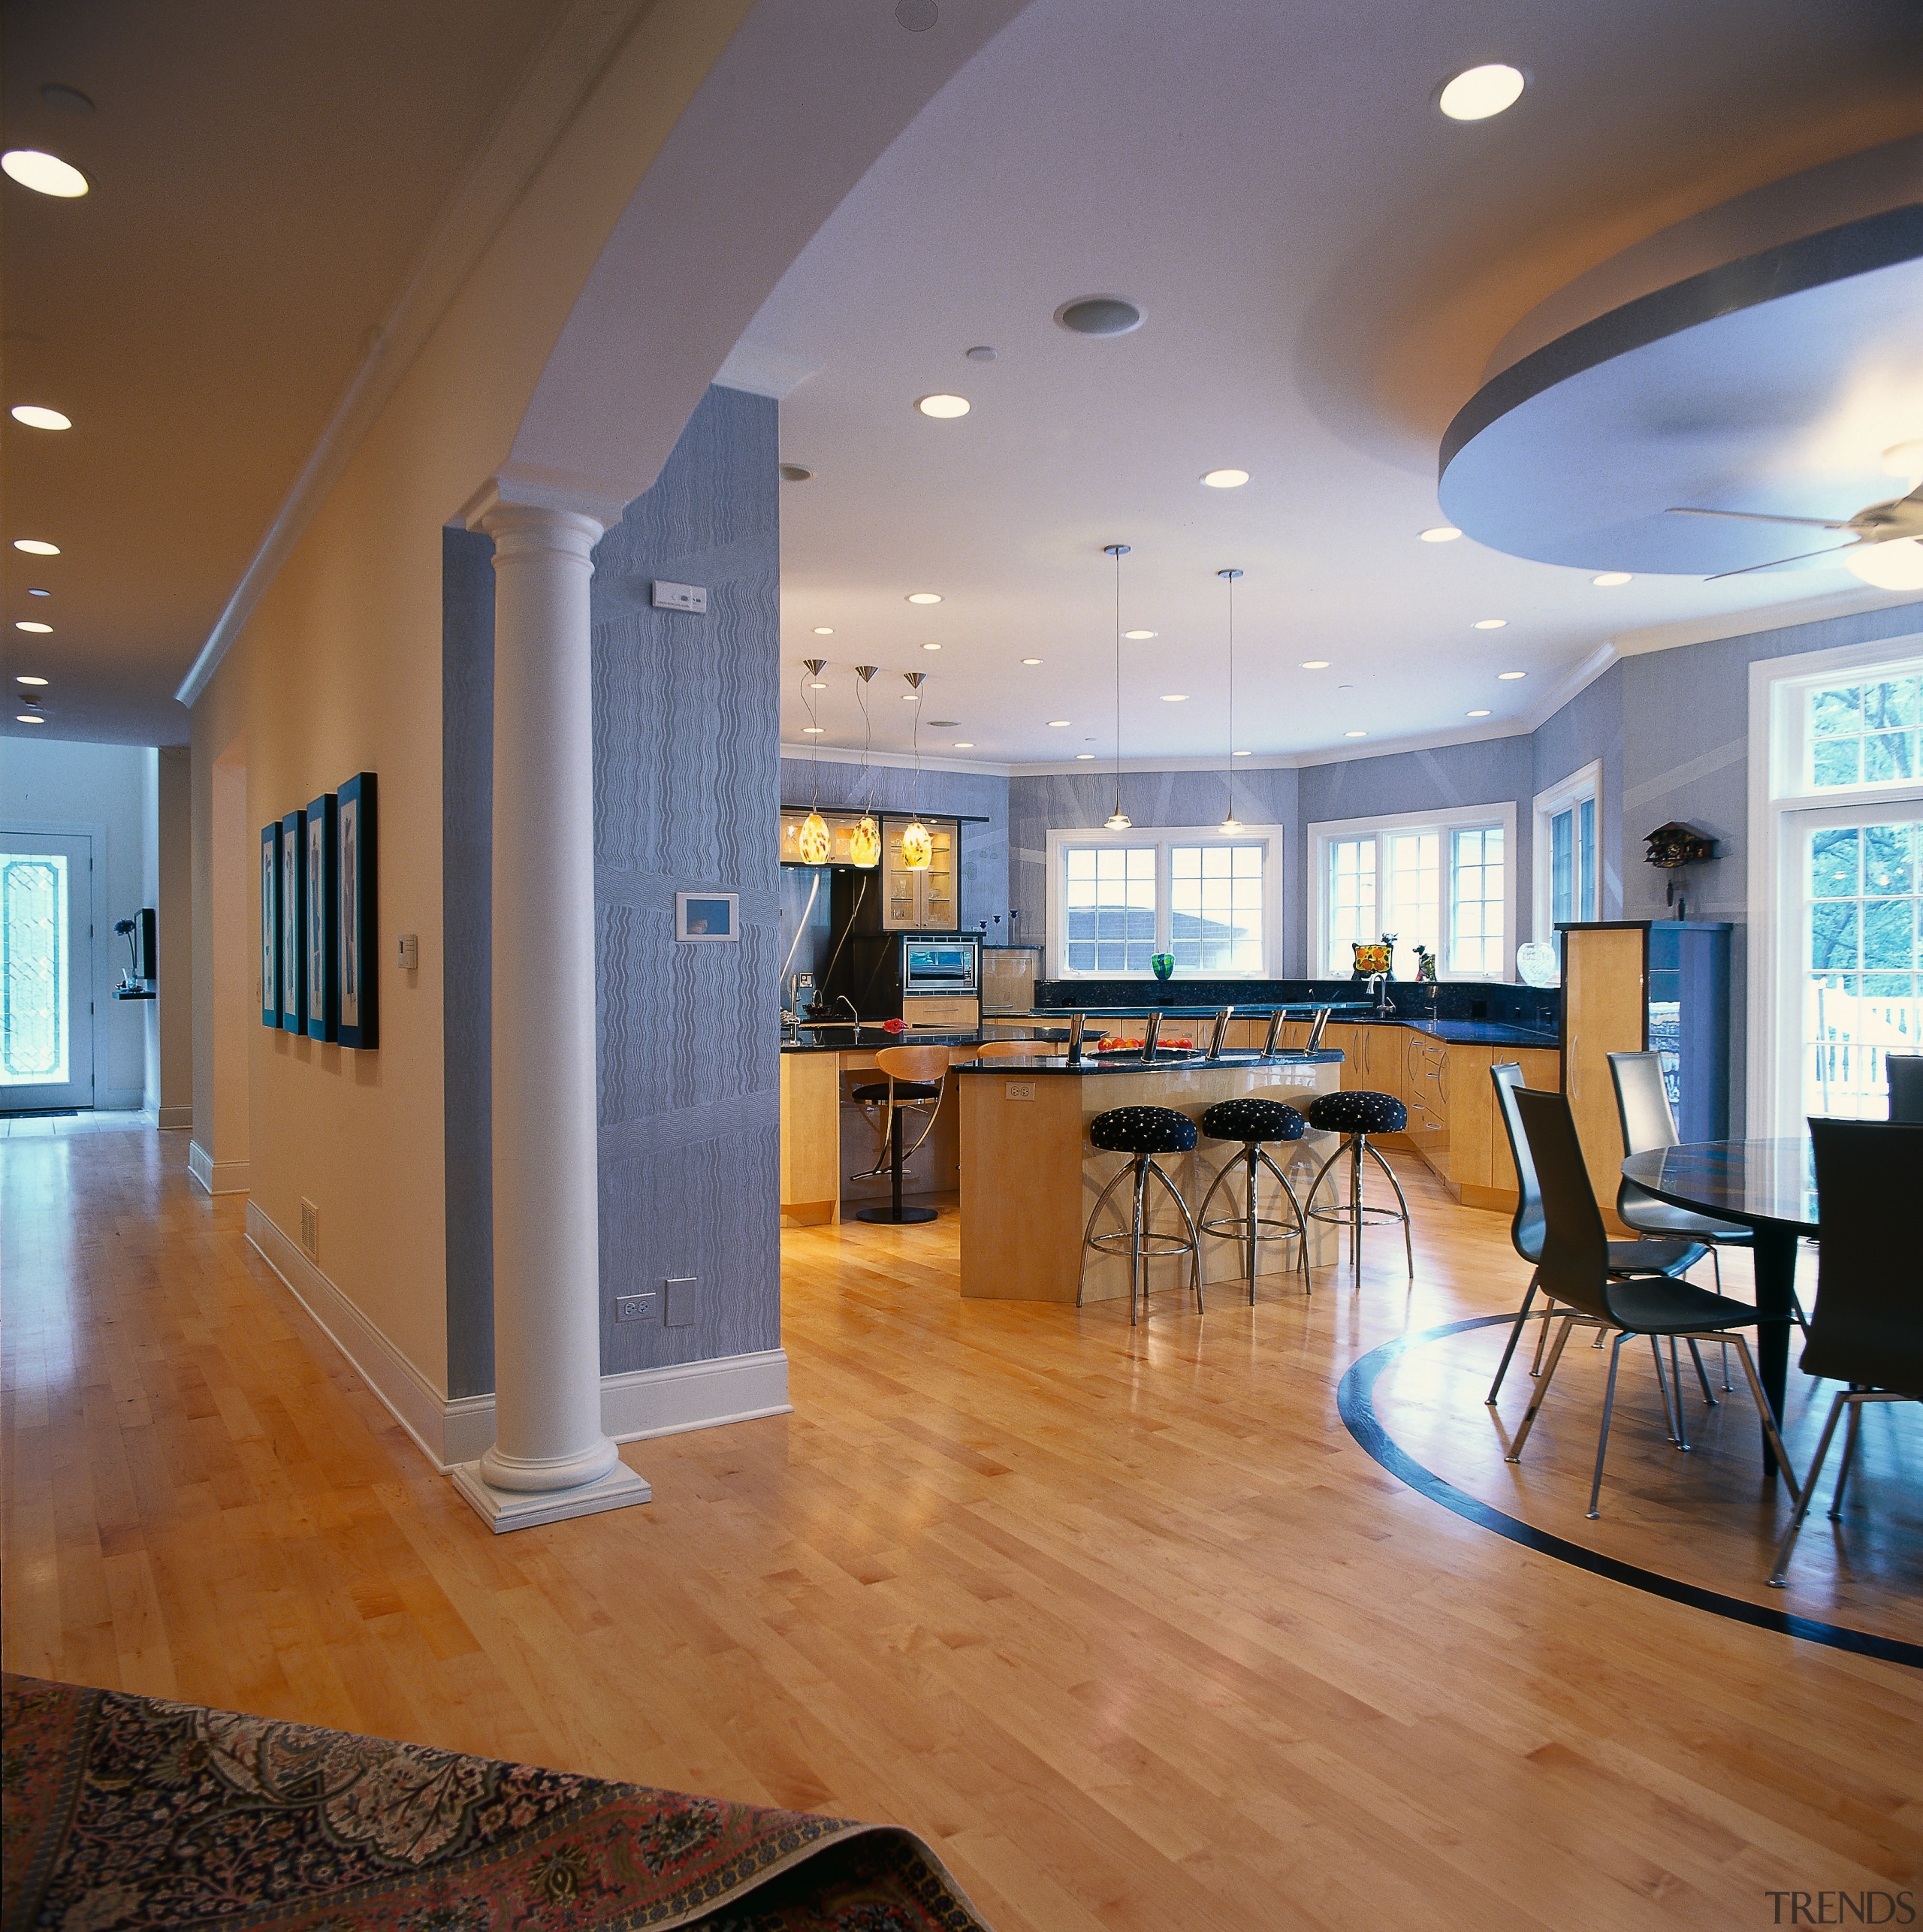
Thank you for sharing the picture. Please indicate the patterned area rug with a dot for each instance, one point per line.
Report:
(134, 1812)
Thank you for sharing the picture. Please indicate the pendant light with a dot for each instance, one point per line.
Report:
(917, 847)
(1118, 820)
(1231, 823)
(814, 842)
(865, 842)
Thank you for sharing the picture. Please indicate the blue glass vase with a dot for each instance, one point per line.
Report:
(1162, 965)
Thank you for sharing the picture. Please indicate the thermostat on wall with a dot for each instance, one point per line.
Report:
(681, 597)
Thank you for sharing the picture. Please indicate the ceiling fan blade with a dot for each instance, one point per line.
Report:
(1755, 516)
(1835, 550)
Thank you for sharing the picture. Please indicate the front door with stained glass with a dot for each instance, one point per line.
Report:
(46, 961)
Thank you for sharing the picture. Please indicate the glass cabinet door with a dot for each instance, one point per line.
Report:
(923, 901)
(903, 911)
(938, 883)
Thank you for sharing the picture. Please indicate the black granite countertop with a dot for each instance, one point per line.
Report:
(1021, 1066)
(1458, 1032)
(844, 1038)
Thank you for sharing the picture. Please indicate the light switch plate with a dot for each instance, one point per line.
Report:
(681, 597)
(408, 945)
(679, 1301)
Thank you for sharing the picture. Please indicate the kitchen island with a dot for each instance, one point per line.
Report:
(1029, 1177)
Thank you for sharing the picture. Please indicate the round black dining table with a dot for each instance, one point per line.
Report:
(1767, 1186)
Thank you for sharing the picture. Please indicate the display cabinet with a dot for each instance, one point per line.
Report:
(927, 899)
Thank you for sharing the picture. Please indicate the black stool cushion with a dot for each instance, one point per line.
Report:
(1251, 1117)
(904, 1090)
(1142, 1130)
(1357, 1111)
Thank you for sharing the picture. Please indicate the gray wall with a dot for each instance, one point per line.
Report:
(1589, 727)
(892, 788)
(686, 792)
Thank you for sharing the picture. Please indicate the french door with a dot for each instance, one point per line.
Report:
(1850, 957)
(46, 970)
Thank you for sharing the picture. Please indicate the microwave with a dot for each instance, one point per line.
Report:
(947, 965)
(932, 981)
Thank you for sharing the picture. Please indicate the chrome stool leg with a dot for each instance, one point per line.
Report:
(1401, 1201)
(1137, 1240)
(1246, 1228)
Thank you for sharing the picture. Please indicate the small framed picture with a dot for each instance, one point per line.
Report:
(705, 916)
(293, 922)
(357, 943)
(318, 960)
(270, 925)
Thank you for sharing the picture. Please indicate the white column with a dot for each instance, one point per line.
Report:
(550, 1459)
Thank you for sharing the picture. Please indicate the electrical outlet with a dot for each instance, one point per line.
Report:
(681, 1301)
(310, 1229)
(682, 597)
(1020, 1090)
(635, 1308)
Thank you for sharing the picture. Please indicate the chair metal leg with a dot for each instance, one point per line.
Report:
(1101, 1201)
(1194, 1239)
(1515, 1454)
(1764, 1410)
(1608, 1408)
(1254, 1225)
(1671, 1411)
(1515, 1335)
(1355, 1210)
(1401, 1201)
(1695, 1356)
(1727, 1384)
(1295, 1208)
(1802, 1510)
(1542, 1337)
(1848, 1452)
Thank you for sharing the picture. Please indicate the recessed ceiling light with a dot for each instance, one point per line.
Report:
(964, 744)
(1058, 724)
(1031, 660)
(1085, 754)
(28, 718)
(1174, 697)
(1098, 316)
(1478, 714)
(931, 647)
(1441, 533)
(1492, 624)
(944, 724)
(981, 352)
(1225, 479)
(1509, 677)
(911, 697)
(1610, 579)
(65, 100)
(28, 624)
(33, 547)
(24, 679)
(944, 407)
(824, 630)
(1315, 664)
(793, 473)
(44, 174)
(925, 596)
(1243, 754)
(817, 685)
(1355, 734)
(1140, 636)
(35, 418)
(35, 591)
(1477, 93)
(813, 731)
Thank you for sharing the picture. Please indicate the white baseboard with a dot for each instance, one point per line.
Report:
(452, 1432)
(218, 1177)
(169, 1117)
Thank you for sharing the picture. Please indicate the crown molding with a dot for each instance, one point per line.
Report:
(566, 69)
(1747, 623)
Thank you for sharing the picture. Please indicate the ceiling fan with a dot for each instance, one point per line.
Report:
(1885, 549)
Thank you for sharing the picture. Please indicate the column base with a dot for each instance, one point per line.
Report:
(503, 1510)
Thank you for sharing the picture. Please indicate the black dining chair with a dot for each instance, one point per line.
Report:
(1574, 1271)
(1867, 1330)
(1626, 1258)
(1905, 1078)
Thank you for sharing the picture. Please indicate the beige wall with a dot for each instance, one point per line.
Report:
(170, 1082)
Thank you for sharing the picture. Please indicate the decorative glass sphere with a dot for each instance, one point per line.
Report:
(917, 847)
(814, 842)
(865, 842)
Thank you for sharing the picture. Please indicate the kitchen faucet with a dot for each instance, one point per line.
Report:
(1384, 1006)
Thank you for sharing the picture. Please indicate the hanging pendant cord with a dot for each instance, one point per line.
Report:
(1118, 552)
(1229, 577)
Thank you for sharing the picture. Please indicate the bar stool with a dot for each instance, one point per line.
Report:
(916, 1075)
(1355, 1114)
(1255, 1122)
(1143, 1133)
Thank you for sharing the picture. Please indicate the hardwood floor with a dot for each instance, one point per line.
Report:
(1125, 1622)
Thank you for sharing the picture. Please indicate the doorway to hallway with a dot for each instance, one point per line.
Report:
(46, 941)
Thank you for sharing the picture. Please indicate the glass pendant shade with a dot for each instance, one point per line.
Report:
(814, 842)
(1119, 820)
(865, 842)
(917, 847)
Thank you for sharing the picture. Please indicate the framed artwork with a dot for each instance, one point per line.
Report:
(705, 917)
(357, 943)
(293, 922)
(318, 960)
(270, 924)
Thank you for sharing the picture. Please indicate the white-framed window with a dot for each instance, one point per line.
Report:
(1836, 880)
(1568, 851)
(1443, 881)
(1211, 898)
